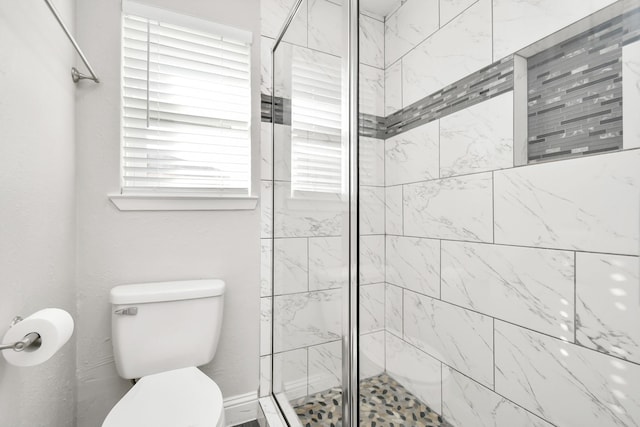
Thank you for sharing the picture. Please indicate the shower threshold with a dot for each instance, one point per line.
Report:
(383, 403)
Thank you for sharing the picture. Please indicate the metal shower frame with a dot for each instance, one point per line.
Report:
(350, 292)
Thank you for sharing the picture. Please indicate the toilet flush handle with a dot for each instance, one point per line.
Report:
(129, 311)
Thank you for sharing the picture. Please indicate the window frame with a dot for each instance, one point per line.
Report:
(172, 200)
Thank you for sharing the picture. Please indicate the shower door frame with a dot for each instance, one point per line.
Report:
(350, 134)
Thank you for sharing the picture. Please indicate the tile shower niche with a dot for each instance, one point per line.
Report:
(575, 87)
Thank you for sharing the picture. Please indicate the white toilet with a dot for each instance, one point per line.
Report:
(161, 332)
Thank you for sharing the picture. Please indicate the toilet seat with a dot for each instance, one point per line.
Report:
(179, 398)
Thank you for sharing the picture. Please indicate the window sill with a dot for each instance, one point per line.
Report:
(157, 202)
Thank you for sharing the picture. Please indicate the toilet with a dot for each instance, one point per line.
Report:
(161, 333)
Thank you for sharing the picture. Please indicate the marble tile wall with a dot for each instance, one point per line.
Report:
(588, 388)
(605, 286)
(519, 282)
(501, 295)
(418, 372)
(468, 403)
(535, 322)
(581, 220)
(409, 26)
(517, 24)
(563, 277)
(457, 49)
(478, 138)
(426, 51)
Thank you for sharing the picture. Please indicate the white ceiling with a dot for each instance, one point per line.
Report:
(380, 8)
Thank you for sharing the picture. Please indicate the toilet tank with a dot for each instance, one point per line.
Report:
(161, 326)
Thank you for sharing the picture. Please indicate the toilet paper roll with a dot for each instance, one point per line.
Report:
(54, 326)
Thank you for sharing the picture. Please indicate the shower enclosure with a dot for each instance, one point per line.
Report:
(451, 210)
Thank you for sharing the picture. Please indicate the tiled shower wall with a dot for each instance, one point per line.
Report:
(511, 292)
(309, 267)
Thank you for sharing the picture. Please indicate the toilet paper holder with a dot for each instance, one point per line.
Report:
(32, 339)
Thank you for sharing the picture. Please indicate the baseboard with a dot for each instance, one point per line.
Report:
(241, 408)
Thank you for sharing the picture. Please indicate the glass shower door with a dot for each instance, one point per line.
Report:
(312, 222)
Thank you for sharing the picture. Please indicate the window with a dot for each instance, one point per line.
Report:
(186, 105)
(316, 121)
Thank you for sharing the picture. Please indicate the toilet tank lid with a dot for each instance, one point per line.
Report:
(166, 291)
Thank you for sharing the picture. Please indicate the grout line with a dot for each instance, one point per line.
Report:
(384, 73)
(329, 236)
(284, 181)
(384, 212)
(401, 86)
(493, 206)
(386, 298)
(402, 208)
(384, 45)
(306, 350)
(455, 17)
(501, 395)
(404, 55)
(440, 272)
(510, 245)
(519, 326)
(399, 337)
(492, 37)
(384, 350)
(493, 352)
(334, 341)
(442, 365)
(448, 177)
(312, 291)
(308, 264)
(439, 148)
(575, 298)
(402, 311)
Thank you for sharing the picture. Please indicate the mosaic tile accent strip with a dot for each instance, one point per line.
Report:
(489, 82)
(282, 110)
(265, 107)
(383, 403)
(484, 84)
(575, 92)
(372, 126)
(575, 95)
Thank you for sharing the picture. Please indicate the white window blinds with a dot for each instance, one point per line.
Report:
(186, 105)
(316, 121)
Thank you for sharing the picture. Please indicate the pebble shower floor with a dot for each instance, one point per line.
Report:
(383, 403)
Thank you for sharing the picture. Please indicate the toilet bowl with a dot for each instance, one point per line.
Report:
(161, 332)
(180, 398)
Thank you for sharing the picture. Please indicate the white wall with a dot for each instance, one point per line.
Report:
(37, 212)
(124, 247)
